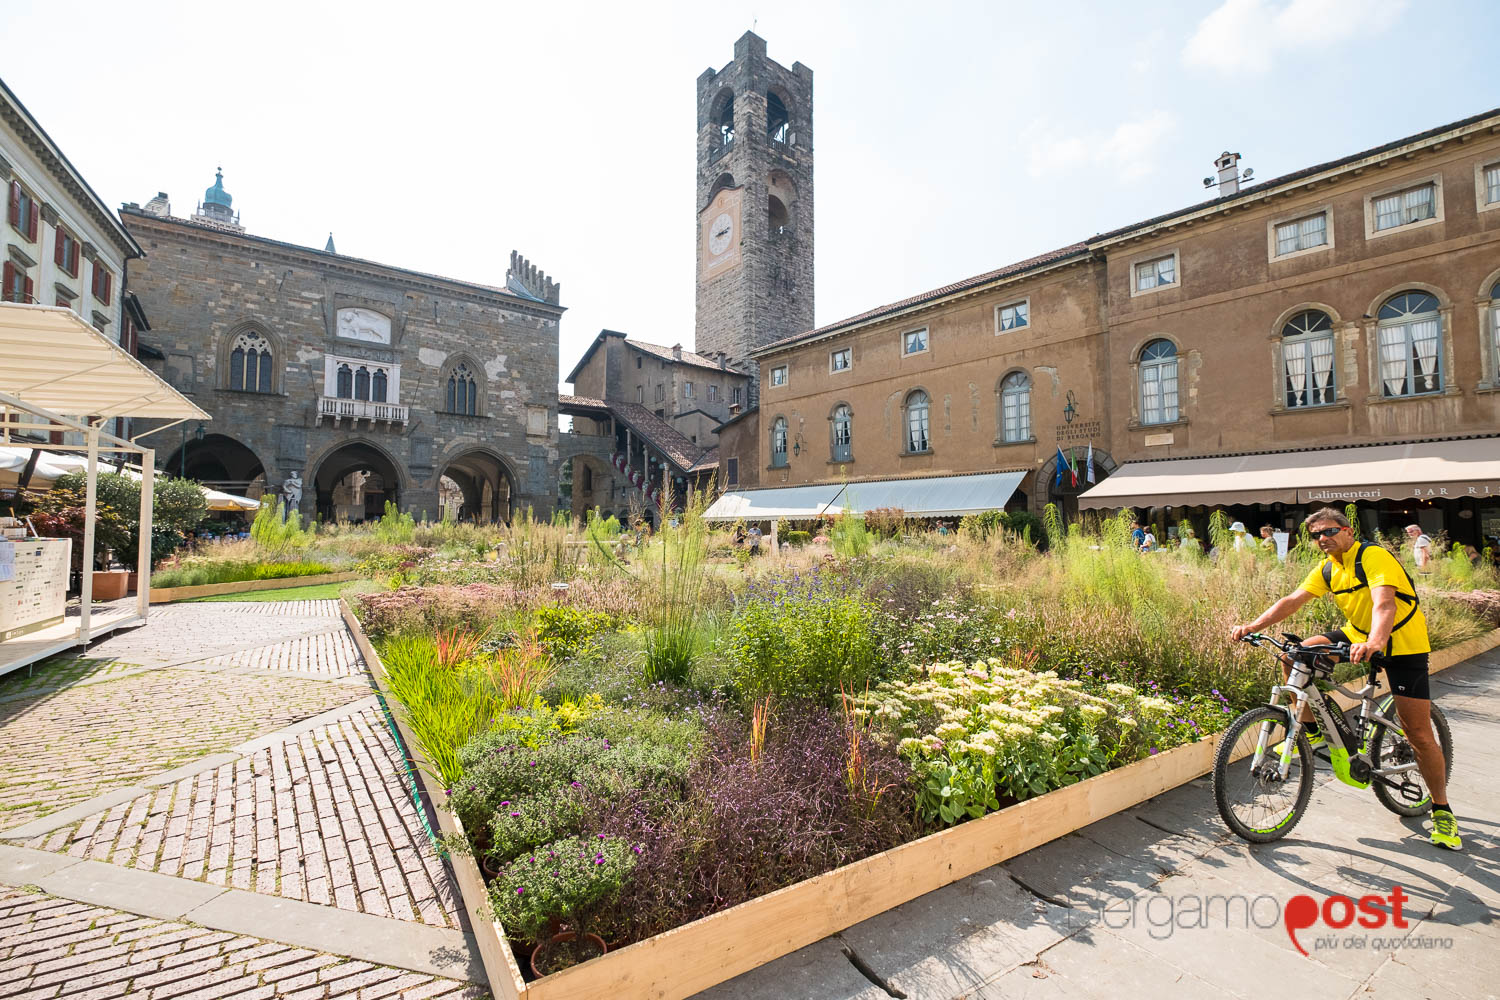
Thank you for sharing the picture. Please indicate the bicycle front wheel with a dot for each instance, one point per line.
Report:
(1254, 800)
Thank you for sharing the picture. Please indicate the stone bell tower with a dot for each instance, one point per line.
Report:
(754, 206)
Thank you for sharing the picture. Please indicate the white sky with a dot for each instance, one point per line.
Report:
(949, 138)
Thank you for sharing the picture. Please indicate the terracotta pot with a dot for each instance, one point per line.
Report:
(109, 585)
(134, 583)
(538, 954)
(490, 866)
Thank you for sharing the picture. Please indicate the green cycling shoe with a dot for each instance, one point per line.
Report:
(1445, 830)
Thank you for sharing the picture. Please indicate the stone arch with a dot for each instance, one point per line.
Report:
(1445, 304)
(1045, 489)
(724, 182)
(219, 461)
(454, 365)
(486, 478)
(1297, 310)
(355, 477)
(1151, 338)
(225, 349)
(593, 477)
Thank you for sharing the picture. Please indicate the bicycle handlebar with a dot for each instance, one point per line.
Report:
(1294, 645)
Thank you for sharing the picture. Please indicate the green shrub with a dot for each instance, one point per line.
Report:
(801, 638)
(798, 538)
(394, 527)
(197, 573)
(276, 534)
(444, 708)
(566, 882)
(849, 536)
(568, 632)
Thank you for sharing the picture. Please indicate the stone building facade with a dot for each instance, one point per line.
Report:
(349, 382)
(754, 208)
(1352, 303)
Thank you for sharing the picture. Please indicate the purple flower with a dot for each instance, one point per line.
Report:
(520, 891)
(577, 784)
(515, 814)
(506, 802)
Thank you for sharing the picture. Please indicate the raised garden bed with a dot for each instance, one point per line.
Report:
(718, 947)
(165, 595)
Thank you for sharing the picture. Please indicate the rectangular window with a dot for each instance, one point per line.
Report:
(15, 286)
(914, 342)
(24, 211)
(1409, 358)
(661, 392)
(733, 468)
(1013, 316)
(65, 254)
(1156, 273)
(778, 375)
(839, 360)
(104, 282)
(1405, 207)
(736, 397)
(713, 394)
(687, 390)
(1492, 184)
(637, 362)
(640, 394)
(1302, 234)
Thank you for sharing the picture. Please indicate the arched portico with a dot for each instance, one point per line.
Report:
(353, 482)
(486, 482)
(219, 462)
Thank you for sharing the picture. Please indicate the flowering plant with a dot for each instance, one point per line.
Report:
(565, 881)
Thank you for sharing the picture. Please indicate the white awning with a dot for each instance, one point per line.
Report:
(51, 358)
(934, 496)
(1431, 470)
(792, 502)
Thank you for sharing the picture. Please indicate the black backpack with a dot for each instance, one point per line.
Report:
(1364, 581)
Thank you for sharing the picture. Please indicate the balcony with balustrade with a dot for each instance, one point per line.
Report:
(354, 410)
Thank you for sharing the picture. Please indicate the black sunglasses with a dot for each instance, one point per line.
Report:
(1325, 532)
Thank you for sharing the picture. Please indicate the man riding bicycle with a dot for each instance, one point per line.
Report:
(1380, 606)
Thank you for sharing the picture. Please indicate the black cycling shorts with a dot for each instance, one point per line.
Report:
(1406, 672)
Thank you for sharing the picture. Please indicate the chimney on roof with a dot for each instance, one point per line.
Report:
(734, 410)
(721, 357)
(677, 351)
(1228, 181)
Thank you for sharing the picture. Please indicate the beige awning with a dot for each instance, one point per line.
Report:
(51, 358)
(1431, 470)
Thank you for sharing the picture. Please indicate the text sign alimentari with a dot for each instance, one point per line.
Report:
(1418, 491)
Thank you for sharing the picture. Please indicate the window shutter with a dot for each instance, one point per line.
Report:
(15, 204)
(30, 291)
(7, 281)
(57, 249)
(31, 226)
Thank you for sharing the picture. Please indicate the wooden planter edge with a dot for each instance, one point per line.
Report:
(165, 595)
(683, 961)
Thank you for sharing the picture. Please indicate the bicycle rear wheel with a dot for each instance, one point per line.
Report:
(1389, 748)
(1256, 802)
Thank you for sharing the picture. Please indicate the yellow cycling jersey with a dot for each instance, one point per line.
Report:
(1355, 600)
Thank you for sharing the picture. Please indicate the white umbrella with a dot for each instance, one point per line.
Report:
(51, 465)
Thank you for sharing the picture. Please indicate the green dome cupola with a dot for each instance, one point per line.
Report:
(216, 195)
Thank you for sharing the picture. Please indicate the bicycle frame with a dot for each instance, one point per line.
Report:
(1299, 684)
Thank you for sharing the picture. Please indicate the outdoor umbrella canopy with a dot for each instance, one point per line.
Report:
(50, 466)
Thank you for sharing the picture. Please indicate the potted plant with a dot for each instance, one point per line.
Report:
(548, 895)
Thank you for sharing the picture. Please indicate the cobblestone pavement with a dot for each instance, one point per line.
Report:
(322, 817)
(70, 745)
(52, 947)
(221, 745)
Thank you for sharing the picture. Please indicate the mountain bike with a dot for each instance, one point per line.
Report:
(1263, 767)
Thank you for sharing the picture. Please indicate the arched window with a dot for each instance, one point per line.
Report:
(724, 118)
(917, 406)
(462, 395)
(1307, 359)
(778, 443)
(843, 433)
(1410, 338)
(378, 386)
(778, 122)
(250, 363)
(1159, 383)
(1495, 326)
(362, 383)
(776, 215)
(1015, 407)
(345, 380)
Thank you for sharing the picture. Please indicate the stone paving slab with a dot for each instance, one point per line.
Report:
(987, 937)
(71, 745)
(52, 947)
(321, 816)
(330, 653)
